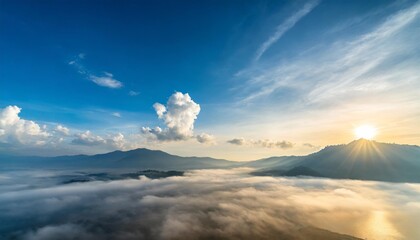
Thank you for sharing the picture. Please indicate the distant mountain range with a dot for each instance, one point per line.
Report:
(360, 159)
(140, 158)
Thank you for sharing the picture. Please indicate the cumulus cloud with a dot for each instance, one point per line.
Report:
(63, 130)
(87, 138)
(178, 115)
(29, 137)
(209, 204)
(206, 138)
(117, 140)
(261, 143)
(14, 129)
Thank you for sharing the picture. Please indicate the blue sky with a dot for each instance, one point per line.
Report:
(248, 79)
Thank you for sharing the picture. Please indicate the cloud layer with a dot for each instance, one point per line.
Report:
(261, 143)
(204, 204)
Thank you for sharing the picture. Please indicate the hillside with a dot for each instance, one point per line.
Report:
(360, 159)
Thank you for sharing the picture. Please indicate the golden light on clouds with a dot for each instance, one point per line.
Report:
(365, 131)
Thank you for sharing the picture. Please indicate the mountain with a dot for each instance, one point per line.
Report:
(361, 159)
(139, 158)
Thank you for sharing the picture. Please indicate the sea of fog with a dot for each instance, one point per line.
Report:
(202, 204)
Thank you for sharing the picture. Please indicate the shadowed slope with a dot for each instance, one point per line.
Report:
(360, 159)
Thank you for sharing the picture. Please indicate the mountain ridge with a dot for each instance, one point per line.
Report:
(360, 159)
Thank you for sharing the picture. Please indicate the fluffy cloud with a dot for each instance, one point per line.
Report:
(206, 204)
(179, 116)
(87, 138)
(261, 143)
(206, 138)
(13, 129)
(18, 134)
(63, 130)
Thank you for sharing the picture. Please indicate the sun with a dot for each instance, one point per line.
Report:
(365, 131)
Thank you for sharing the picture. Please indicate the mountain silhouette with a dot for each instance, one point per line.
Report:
(140, 158)
(360, 159)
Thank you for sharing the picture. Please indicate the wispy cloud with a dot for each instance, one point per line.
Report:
(284, 27)
(116, 114)
(369, 63)
(133, 93)
(106, 80)
(356, 77)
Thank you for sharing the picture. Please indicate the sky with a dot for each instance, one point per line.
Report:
(239, 80)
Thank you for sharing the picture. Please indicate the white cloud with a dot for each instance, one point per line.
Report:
(117, 141)
(87, 138)
(63, 130)
(206, 138)
(261, 143)
(133, 93)
(13, 129)
(179, 116)
(106, 81)
(284, 27)
(116, 114)
(30, 137)
(378, 61)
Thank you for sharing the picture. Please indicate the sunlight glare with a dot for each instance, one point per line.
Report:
(365, 131)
